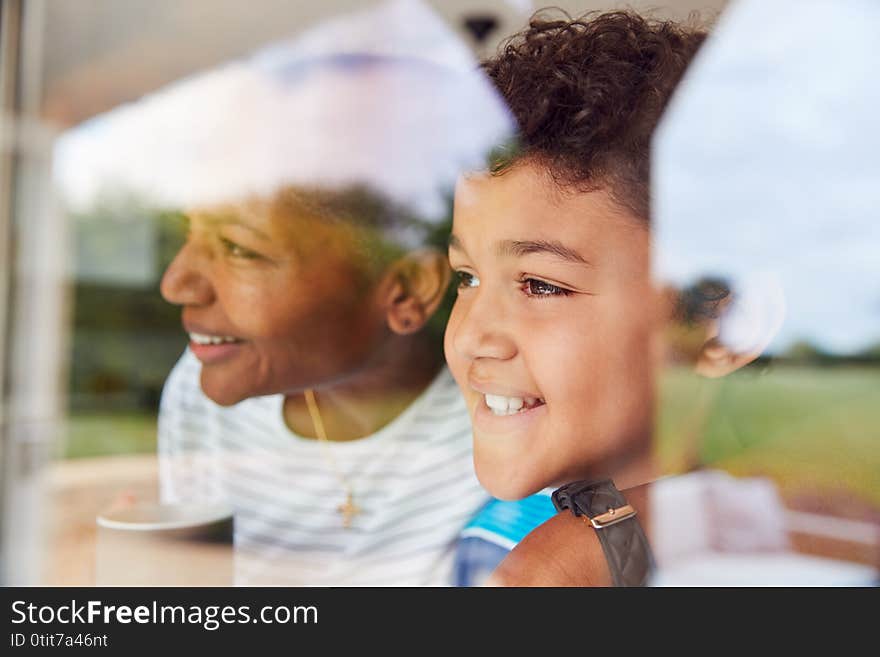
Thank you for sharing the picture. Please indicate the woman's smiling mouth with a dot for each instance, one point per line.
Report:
(200, 338)
(210, 348)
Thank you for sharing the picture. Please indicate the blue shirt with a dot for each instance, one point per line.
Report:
(494, 531)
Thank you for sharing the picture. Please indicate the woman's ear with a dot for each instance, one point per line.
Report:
(413, 289)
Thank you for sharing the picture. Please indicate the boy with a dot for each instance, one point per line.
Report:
(554, 336)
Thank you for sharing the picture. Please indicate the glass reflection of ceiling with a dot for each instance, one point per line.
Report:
(389, 97)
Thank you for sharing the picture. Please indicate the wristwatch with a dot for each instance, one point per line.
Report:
(622, 538)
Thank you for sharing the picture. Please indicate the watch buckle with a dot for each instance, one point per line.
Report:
(612, 516)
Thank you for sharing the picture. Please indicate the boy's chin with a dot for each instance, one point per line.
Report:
(498, 482)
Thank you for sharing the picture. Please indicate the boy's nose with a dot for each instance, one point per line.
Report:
(480, 330)
(185, 282)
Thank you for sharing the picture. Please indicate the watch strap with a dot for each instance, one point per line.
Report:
(623, 540)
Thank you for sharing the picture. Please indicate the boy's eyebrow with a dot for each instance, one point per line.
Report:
(519, 248)
(454, 243)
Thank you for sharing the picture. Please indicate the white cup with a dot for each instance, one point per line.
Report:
(165, 545)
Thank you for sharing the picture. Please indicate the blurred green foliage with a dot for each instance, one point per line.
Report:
(125, 337)
(108, 433)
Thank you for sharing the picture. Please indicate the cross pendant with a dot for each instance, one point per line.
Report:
(348, 510)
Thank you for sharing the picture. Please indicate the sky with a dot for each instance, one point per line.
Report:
(767, 170)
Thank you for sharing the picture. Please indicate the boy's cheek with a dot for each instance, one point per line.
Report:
(452, 360)
(460, 376)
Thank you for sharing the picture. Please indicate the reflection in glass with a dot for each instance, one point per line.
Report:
(765, 179)
(293, 203)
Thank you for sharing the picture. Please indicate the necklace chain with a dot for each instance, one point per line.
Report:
(348, 509)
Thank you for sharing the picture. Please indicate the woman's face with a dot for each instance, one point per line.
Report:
(551, 337)
(272, 303)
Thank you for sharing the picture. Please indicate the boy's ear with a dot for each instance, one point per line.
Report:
(716, 359)
(745, 329)
(717, 334)
(413, 289)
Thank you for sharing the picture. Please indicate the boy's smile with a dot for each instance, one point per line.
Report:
(551, 336)
(500, 408)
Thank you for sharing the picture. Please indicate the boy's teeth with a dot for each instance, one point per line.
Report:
(199, 338)
(501, 405)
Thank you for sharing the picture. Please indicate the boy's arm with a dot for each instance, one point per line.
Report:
(561, 552)
(564, 551)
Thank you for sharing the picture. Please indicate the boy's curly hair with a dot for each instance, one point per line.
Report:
(587, 94)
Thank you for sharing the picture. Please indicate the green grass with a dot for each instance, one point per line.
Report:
(815, 431)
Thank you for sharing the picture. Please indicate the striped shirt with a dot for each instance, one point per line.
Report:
(413, 481)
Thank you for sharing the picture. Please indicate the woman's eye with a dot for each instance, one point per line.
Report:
(238, 251)
(466, 279)
(535, 287)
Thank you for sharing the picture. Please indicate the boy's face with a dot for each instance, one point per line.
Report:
(555, 314)
(289, 296)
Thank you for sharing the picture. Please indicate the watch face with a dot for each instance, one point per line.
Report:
(581, 497)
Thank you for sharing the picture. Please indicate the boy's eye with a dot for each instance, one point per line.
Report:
(466, 279)
(238, 251)
(535, 287)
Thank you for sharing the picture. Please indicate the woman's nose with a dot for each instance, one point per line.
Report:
(185, 281)
(480, 329)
